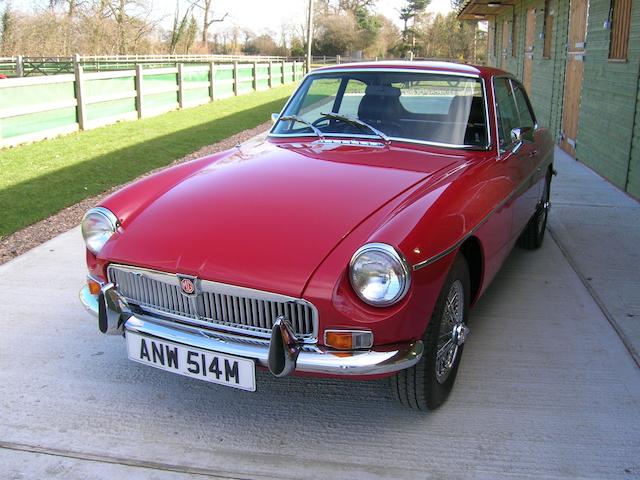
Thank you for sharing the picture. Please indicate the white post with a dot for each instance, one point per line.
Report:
(180, 85)
(139, 83)
(295, 64)
(80, 110)
(309, 35)
(212, 81)
(255, 76)
(19, 66)
(236, 76)
(282, 77)
(270, 74)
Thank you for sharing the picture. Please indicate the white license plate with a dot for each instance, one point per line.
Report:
(192, 362)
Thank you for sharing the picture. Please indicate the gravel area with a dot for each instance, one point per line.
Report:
(24, 240)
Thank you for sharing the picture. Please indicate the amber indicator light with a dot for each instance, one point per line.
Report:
(94, 287)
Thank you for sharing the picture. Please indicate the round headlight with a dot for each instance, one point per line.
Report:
(379, 275)
(98, 225)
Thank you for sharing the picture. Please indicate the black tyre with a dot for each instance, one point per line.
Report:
(533, 235)
(426, 385)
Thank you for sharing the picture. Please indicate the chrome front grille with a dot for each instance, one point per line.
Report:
(216, 305)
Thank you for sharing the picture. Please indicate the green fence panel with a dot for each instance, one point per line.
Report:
(28, 95)
(160, 101)
(197, 95)
(224, 82)
(106, 86)
(197, 76)
(112, 108)
(37, 122)
(245, 79)
(263, 76)
(277, 73)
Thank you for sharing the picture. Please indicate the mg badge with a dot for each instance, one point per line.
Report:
(187, 286)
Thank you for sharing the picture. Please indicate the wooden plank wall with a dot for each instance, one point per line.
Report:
(609, 123)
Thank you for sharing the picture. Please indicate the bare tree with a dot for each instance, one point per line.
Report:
(207, 8)
(180, 26)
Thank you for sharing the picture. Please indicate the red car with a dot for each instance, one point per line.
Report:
(351, 241)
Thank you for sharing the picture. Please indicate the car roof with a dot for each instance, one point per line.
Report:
(448, 67)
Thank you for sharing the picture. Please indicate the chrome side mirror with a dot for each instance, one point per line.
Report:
(519, 136)
(275, 117)
(516, 135)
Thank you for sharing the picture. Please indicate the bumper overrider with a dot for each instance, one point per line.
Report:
(282, 354)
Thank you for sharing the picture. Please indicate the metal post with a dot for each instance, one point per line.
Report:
(212, 81)
(309, 35)
(255, 76)
(139, 84)
(80, 110)
(181, 85)
(19, 66)
(236, 77)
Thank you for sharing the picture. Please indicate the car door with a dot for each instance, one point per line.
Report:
(530, 155)
(517, 156)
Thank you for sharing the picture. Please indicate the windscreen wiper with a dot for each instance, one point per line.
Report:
(295, 118)
(356, 122)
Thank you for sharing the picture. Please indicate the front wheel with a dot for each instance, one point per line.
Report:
(427, 384)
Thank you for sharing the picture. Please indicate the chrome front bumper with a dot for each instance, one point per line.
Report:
(281, 355)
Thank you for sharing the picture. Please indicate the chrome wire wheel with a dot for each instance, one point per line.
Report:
(453, 331)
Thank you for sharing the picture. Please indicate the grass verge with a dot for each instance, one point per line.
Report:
(40, 179)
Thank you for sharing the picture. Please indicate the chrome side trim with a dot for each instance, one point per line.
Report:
(444, 253)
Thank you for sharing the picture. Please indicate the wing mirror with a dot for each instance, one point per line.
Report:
(519, 136)
(275, 117)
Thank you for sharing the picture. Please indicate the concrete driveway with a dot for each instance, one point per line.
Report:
(546, 389)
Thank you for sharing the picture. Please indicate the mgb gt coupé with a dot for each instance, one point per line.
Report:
(351, 241)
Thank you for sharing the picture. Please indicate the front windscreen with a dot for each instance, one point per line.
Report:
(427, 107)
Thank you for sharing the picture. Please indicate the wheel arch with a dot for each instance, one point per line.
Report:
(471, 249)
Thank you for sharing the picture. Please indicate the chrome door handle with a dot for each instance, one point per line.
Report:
(533, 154)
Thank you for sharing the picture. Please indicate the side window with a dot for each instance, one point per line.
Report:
(524, 112)
(508, 117)
(352, 97)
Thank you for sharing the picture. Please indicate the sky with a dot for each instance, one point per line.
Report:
(273, 13)
(260, 15)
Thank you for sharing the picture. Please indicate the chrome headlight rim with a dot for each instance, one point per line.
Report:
(394, 255)
(111, 219)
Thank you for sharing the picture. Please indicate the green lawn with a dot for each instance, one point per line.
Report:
(40, 179)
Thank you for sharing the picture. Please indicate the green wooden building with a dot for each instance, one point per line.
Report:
(580, 62)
